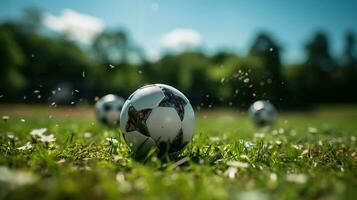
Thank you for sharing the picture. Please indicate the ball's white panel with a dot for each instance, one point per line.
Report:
(139, 142)
(147, 97)
(188, 123)
(163, 124)
(174, 90)
(124, 116)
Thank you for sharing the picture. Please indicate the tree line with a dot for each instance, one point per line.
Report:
(36, 67)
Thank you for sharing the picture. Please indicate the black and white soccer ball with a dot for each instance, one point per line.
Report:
(157, 117)
(263, 113)
(108, 109)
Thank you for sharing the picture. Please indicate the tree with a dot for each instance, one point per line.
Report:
(268, 50)
(315, 75)
(114, 48)
(11, 61)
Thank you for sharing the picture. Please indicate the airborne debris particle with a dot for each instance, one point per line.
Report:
(111, 66)
(1, 96)
(246, 80)
(36, 91)
(83, 74)
(23, 120)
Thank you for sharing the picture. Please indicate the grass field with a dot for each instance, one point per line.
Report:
(306, 155)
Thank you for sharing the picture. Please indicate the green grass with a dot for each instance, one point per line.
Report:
(304, 156)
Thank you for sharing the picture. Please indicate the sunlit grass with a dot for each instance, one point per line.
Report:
(305, 155)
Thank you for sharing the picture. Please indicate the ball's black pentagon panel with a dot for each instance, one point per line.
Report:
(174, 101)
(175, 146)
(137, 120)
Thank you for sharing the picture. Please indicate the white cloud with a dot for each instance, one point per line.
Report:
(77, 26)
(180, 39)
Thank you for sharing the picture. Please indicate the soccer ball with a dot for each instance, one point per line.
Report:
(263, 113)
(108, 109)
(157, 116)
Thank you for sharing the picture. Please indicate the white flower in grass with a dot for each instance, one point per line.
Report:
(231, 172)
(87, 134)
(112, 140)
(312, 130)
(238, 164)
(296, 178)
(248, 145)
(38, 133)
(12, 137)
(16, 178)
(48, 138)
(273, 177)
(259, 135)
(214, 139)
(27, 146)
(5, 118)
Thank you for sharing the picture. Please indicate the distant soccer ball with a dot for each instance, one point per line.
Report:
(157, 116)
(108, 109)
(263, 113)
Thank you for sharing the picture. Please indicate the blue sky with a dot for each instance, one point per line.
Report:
(230, 24)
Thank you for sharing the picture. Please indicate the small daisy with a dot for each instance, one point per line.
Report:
(248, 145)
(231, 172)
(38, 133)
(47, 138)
(87, 134)
(238, 164)
(5, 118)
(296, 178)
(27, 146)
(112, 140)
(12, 137)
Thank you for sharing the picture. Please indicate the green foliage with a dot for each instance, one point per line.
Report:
(31, 59)
(11, 61)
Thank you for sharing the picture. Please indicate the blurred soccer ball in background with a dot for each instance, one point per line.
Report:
(108, 109)
(262, 113)
(157, 116)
